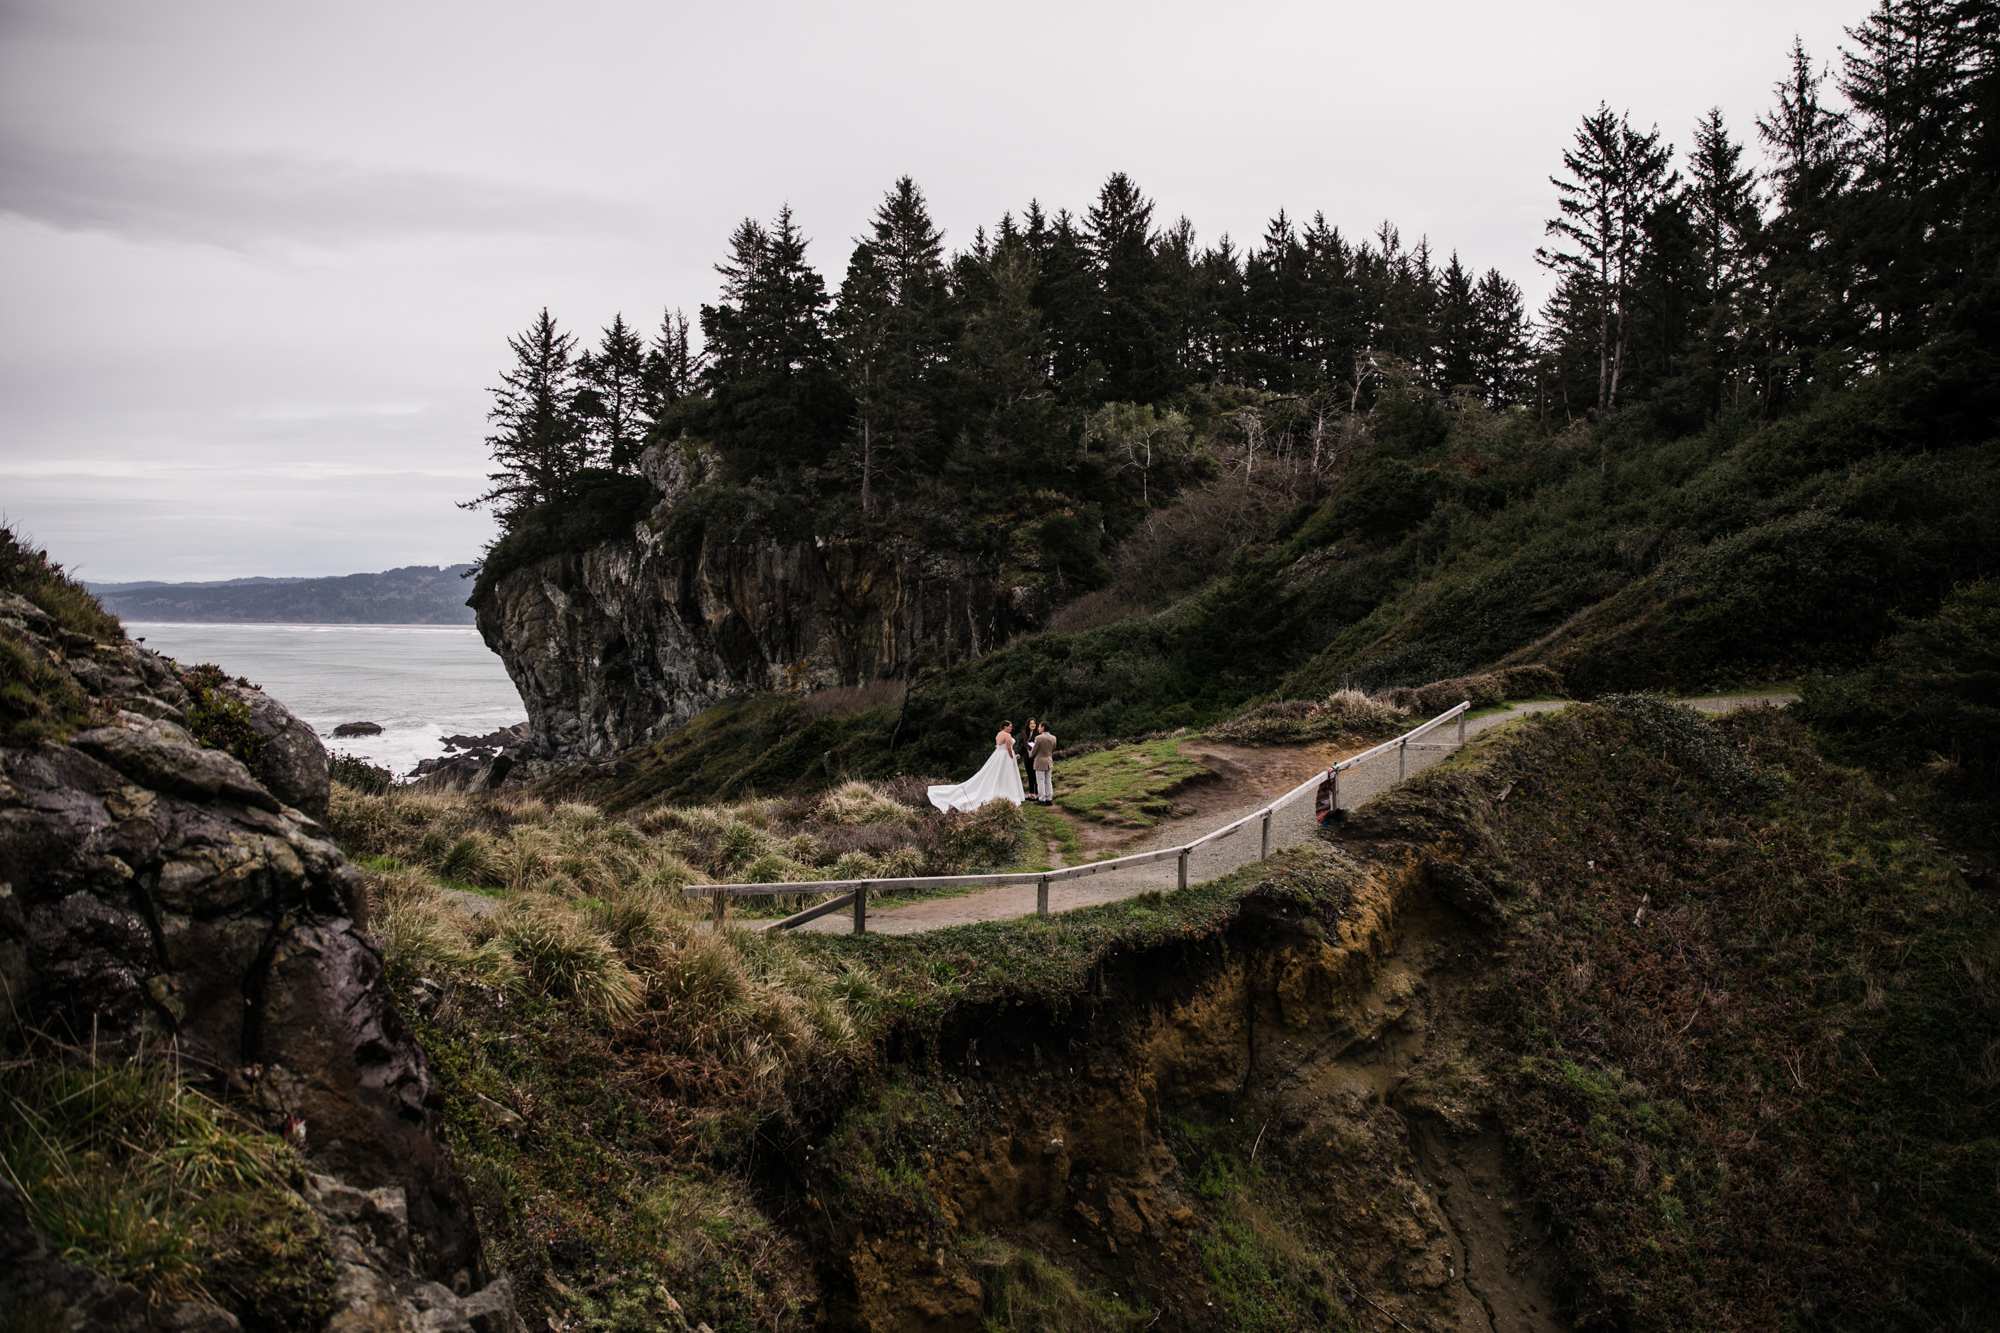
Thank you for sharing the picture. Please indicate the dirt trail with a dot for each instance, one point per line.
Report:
(1247, 779)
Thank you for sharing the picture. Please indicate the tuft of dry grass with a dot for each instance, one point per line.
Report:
(1345, 712)
(128, 1170)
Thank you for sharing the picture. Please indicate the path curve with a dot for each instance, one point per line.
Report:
(1289, 827)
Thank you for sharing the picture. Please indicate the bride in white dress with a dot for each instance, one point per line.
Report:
(999, 780)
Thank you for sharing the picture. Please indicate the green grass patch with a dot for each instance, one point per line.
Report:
(1045, 826)
(1128, 786)
(1256, 1251)
(130, 1172)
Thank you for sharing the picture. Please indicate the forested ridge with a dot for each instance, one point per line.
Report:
(1750, 434)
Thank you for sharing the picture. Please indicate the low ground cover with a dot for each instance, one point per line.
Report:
(1744, 1032)
(620, 1077)
(129, 1171)
(1129, 786)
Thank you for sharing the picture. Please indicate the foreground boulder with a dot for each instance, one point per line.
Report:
(156, 895)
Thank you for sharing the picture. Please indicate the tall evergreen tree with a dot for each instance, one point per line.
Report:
(890, 327)
(1908, 78)
(1501, 341)
(612, 399)
(1724, 211)
(1803, 323)
(673, 368)
(539, 443)
(1616, 177)
(1126, 328)
(1457, 327)
(776, 406)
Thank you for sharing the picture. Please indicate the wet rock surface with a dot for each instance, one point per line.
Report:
(158, 896)
(294, 762)
(618, 645)
(478, 763)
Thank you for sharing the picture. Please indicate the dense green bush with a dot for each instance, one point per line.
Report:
(354, 771)
(602, 506)
(1926, 714)
(217, 719)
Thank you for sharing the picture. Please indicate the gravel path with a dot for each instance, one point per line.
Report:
(1289, 827)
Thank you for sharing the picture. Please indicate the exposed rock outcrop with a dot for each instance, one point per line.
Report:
(294, 762)
(156, 895)
(476, 763)
(617, 645)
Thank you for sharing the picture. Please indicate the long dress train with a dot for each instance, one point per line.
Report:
(999, 780)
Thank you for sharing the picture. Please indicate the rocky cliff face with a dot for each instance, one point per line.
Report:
(157, 897)
(618, 645)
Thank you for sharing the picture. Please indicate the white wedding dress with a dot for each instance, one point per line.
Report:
(999, 780)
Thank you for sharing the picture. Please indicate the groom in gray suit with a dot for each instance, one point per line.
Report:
(1045, 762)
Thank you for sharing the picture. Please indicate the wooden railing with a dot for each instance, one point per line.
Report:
(854, 893)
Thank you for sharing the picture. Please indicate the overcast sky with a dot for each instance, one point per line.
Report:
(260, 260)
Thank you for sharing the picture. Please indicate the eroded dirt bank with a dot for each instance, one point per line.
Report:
(1266, 1118)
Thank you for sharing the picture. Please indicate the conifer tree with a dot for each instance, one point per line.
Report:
(1457, 327)
(889, 325)
(539, 443)
(1803, 321)
(1726, 216)
(1501, 342)
(1616, 176)
(1125, 329)
(865, 334)
(612, 398)
(673, 367)
(776, 406)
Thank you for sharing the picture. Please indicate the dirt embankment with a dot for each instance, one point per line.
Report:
(1267, 1117)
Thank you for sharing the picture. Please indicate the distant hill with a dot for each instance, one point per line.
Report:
(413, 595)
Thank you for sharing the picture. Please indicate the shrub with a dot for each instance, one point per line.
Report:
(353, 771)
(859, 803)
(1926, 714)
(1692, 739)
(216, 718)
(1298, 721)
(1482, 691)
(567, 959)
(958, 842)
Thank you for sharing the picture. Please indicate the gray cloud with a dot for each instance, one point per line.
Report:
(253, 200)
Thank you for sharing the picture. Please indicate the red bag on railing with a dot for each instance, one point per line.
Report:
(1323, 802)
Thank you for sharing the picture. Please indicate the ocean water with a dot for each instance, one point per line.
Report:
(420, 682)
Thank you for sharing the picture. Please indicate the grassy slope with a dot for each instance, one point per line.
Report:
(1624, 557)
(1772, 1097)
(37, 699)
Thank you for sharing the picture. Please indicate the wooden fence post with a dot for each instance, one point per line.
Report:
(1184, 859)
(1402, 760)
(1265, 854)
(1461, 727)
(1042, 896)
(721, 907)
(861, 908)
